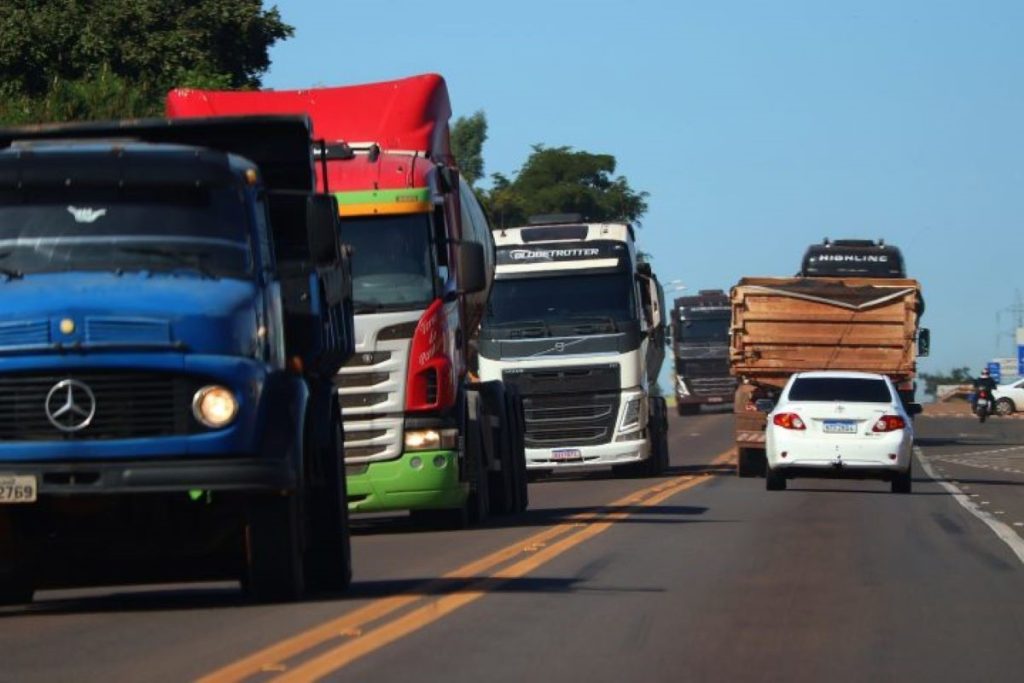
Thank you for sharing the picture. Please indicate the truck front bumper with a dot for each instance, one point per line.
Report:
(420, 480)
(570, 458)
(164, 475)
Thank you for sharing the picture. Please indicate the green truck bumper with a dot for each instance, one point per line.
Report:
(424, 480)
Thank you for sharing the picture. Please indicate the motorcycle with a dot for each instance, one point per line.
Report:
(983, 404)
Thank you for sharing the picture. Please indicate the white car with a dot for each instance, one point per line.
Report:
(835, 424)
(1009, 397)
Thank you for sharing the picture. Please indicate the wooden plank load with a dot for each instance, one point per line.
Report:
(786, 325)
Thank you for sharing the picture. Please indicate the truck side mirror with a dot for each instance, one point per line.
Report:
(322, 229)
(924, 341)
(469, 259)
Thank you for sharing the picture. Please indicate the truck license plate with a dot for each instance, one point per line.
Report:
(566, 454)
(715, 399)
(840, 427)
(16, 488)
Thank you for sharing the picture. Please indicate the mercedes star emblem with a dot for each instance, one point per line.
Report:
(70, 405)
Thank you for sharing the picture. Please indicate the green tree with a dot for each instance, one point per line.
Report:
(82, 59)
(469, 133)
(563, 180)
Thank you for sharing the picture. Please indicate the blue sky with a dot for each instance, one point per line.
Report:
(756, 127)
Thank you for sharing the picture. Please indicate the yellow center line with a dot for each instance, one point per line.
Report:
(535, 547)
(438, 608)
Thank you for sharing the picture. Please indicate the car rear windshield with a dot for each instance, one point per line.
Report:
(848, 389)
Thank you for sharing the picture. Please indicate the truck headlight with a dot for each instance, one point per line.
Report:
(631, 415)
(214, 406)
(430, 439)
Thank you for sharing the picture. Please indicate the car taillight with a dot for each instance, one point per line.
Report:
(430, 385)
(889, 423)
(789, 421)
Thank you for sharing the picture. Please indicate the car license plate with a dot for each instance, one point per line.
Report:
(840, 427)
(566, 454)
(16, 488)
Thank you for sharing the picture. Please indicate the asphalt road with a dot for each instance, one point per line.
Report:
(695, 576)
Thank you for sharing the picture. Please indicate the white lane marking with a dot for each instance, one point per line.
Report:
(1004, 532)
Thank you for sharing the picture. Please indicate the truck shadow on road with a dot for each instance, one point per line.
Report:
(180, 599)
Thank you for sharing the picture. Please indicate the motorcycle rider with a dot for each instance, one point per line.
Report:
(985, 381)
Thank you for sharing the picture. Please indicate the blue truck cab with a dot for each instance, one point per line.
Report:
(174, 303)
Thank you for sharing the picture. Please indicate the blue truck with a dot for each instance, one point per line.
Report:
(175, 301)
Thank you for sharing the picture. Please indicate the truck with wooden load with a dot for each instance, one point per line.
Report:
(176, 303)
(420, 435)
(780, 326)
(700, 345)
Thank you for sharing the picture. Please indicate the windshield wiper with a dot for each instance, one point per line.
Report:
(189, 259)
(602, 320)
(11, 273)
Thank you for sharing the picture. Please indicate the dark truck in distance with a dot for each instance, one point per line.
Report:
(700, 344)
(176, 304)
(852, 258)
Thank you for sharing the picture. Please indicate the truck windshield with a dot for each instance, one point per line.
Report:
(152, 229)
(391, 261)
(562, 299)
(704, 329)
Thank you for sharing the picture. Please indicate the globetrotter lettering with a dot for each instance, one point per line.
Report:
(550, 254)
(854, 258)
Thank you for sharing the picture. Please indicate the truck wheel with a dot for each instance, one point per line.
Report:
(16, 584)
(658, 460)
(1004, 407)
(518, 440)
(328, 560)
(750, 462)
(502, 486)
(274, 549)
(774, 480)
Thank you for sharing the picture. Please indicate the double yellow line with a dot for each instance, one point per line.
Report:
(437, 597)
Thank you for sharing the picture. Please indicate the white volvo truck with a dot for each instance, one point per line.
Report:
(577, 323)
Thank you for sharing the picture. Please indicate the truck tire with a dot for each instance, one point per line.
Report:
(517, 437)
(750, 462)
(16, 584)
(499, 443)
(274, 557)
(659, 437)
(328, 561)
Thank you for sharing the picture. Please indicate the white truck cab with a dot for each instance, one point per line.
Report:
(575, 321)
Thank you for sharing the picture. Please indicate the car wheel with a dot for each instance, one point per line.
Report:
(1004, 407)
(774, 480)
(901, 482)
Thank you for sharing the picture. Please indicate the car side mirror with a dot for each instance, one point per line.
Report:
(764, 405)
(322, 229)
(472, 274)
(924, 341)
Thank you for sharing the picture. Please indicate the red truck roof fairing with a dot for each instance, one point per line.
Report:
(405, 114)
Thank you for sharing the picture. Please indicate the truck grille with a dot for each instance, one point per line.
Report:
(561, 420)
(583, 379)
(127, 405)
